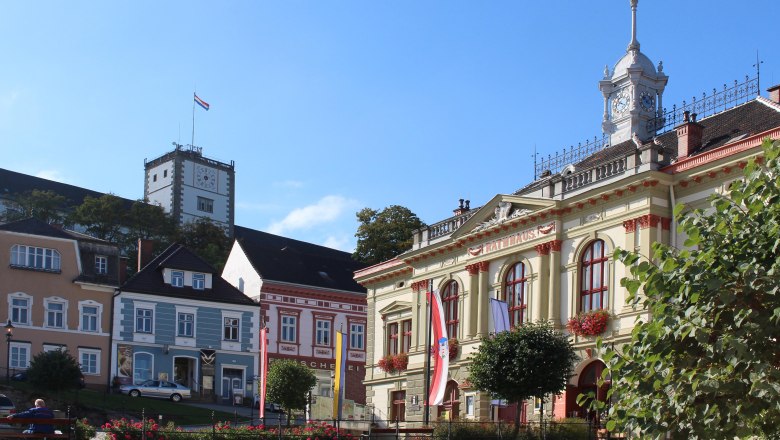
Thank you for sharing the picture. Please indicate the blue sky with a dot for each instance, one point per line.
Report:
(327, 107)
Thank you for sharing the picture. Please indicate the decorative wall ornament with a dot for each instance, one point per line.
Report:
(501, 213)
(630, 225)
(592, 218)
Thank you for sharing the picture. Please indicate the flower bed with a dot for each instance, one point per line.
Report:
(591, 323)
(124, 429)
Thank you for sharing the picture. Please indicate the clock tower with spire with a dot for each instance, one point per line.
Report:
(632, 93)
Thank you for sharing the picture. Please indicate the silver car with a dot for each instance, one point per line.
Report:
(161, 389)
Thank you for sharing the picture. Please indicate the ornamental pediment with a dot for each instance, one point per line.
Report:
(396, 308)
(502, 209)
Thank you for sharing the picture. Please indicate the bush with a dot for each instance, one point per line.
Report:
(54, 371)
(84, 431)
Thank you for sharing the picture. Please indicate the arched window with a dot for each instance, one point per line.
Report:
(594, 290)
(514, 288)
(449, 301)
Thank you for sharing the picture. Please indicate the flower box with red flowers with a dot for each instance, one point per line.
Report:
(591, 323)
(393, 363)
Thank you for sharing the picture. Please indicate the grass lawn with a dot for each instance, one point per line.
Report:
(100, 407)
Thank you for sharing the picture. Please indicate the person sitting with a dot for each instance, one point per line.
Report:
(39, 411)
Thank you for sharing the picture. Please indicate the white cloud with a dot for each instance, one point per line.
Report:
(50, 175)
(288, 184)
(326, 210)
(340, 243)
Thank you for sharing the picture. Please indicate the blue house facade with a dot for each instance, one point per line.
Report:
(178, 320)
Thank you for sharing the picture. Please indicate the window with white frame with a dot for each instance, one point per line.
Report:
(143, 320)
(89, 360)
(35, 258)
(185, 325)
(55, 314)
(20, 310)
(289, 328)
(53, 347)
(199, 281)
(101, 264)
(470, 405)
(322, 332)
(20, 355)
(231, 329)
(357, 336)
(177, 278)
(90, 318)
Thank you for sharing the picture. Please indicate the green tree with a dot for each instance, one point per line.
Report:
(383, 235)
(529, 361)
(704, 363)
(207, 239)
(103, 217)
(149, 222)
(54, 370)
(46, 206)
(289, 383)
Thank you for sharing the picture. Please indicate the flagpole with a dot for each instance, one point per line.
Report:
(426, 408)
(193, 118)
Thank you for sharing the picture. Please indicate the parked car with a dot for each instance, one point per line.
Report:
(270, 407)
(161, 389)
(7, 408)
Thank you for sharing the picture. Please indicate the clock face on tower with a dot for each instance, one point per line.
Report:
(647, 101)
(205, 177)
(620, 103)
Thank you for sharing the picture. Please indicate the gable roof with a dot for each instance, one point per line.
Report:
(13, 183)
(33, 226)
(150, 279)
(277, 258)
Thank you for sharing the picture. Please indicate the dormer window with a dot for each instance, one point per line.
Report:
(177, 278)
(199, 281)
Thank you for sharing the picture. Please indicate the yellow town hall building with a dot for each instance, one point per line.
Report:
(546, 249)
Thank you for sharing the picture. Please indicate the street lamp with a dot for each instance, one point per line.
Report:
(9, 332)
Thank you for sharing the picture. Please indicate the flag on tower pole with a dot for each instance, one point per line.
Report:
(201, 102)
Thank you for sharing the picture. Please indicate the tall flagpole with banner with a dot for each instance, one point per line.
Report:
(202, 103)
(339, 379)
(441, 352)
(426, 415)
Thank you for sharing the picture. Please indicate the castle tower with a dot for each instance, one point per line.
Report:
(190, 186)
(632, 93)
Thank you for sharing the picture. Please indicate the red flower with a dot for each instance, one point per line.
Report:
(589, 323)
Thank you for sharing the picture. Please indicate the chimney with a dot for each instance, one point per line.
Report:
(462, 208)
(774, 93)
(688, 135)
(145, 248)
(122, 270)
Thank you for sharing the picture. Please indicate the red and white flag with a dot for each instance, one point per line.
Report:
(441, 351)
